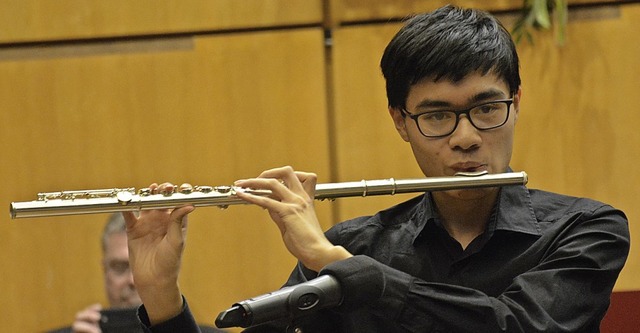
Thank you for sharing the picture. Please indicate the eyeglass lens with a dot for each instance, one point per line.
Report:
(484, 116)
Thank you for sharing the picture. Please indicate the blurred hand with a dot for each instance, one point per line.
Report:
(87, 320)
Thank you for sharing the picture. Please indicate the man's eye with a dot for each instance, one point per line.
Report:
(488, 108)
(436, 116)
(119, 267)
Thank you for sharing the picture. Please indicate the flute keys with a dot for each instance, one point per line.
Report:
(124, 197)
(223, 189)
(185, 188)
(204, 189)
(166, 192)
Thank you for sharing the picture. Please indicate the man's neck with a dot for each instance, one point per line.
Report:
(465, 219)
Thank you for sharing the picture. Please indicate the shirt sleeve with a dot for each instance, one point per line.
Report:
(568, 291)
(182, 323)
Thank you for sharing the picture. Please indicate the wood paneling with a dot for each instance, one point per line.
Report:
(367, 10)
(37, 20)
(349, 11)
(207, 110)
(367, 144)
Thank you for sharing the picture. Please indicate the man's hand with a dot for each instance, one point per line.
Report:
(88, 320)
(291, 207)
(156, 242)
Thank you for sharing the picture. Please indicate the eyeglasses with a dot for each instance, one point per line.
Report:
(440, 123)
(118, 267)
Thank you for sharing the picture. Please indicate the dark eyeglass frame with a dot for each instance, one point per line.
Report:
(508, 101)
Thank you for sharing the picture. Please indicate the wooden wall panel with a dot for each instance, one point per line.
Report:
(349, 11)
(367, 144)
(37, 20)
(367, 10)
(206, 110)
(577, 132)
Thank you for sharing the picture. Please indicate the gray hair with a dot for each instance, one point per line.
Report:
(115, 224)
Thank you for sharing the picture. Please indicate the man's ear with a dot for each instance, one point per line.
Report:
(516, 104)
(400, 122)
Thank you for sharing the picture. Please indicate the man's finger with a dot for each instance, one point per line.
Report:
(130, 219)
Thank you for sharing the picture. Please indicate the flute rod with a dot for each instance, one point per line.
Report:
(119, 200)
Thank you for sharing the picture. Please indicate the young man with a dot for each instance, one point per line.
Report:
(484, 260)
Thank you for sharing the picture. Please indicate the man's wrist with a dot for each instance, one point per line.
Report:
(332, 254)
(162, 304)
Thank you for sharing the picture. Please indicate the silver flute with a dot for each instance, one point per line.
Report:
(127, 199)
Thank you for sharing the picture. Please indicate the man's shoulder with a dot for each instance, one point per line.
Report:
(392, 224)
(399, 213)
(61, 330)
(551, 206)
(559, 201)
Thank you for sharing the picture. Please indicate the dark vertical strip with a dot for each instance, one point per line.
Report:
(330, 102)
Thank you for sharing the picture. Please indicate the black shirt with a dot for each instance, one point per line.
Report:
(546, 263)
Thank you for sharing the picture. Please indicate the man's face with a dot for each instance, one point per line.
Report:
(118, 278)
(467, 148)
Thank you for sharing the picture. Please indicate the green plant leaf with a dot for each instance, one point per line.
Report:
(541, 12)
(535, 15)
(561, 13)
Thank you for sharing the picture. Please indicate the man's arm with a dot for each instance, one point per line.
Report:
(156, 242)
(183, 322)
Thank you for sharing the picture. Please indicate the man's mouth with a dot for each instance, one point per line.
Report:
(469, 167)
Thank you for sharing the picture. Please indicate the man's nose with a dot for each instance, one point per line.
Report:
(465, 136)
(129, 277)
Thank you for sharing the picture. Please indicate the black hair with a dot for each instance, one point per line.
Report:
(448, 43)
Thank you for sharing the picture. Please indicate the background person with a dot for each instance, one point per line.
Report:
(118, 280)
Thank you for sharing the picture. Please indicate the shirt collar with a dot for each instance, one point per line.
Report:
(425, 214)
(514, 212)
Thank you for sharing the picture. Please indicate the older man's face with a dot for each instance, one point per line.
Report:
(118, 278)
